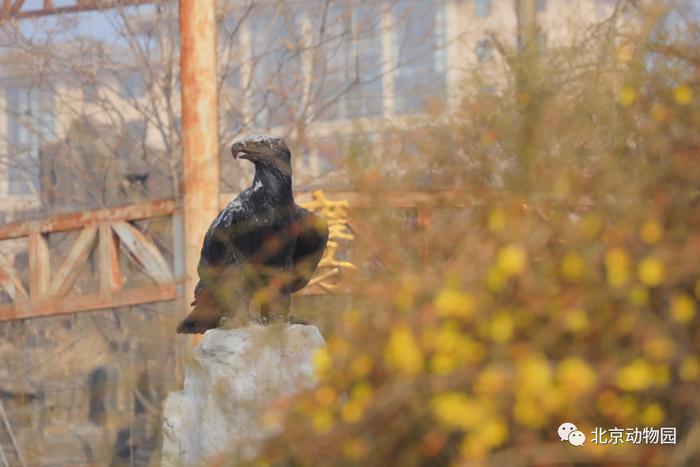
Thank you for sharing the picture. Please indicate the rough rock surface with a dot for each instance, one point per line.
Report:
(235, 376)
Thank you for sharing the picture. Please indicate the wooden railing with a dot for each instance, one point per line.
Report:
(111, 232)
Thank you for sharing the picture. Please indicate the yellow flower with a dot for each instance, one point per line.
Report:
(690, 368)
(651, 232)
(652, 415)
(533, 374)
(527, 412)
(682, 308)
(457, 410)
(442, 364)
(576, 320)
(576, 376)
(322, 420)
(471, 448)
(321, 360)
(637, 376)
(511, 260)
(627, 95)
(361, 392)
(492, 432)
(452, 349)
(617, 264)
(490, 381)
(501, 328)
(639, 295)
(451, 302)
(683, 94)
(402, 351)
(572, 266)
(352, 411)
(651, 271)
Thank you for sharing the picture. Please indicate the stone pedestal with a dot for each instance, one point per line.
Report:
(234, 378)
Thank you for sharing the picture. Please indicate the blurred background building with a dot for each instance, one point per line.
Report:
(325, 76)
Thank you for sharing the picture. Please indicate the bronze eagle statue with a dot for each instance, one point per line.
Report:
(260, 249)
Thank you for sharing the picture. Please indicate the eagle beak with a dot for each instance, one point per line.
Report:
(237, 148)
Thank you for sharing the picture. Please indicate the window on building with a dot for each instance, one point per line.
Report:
(132, 86)
(349, 66)
(484, 51)
(419, 46)
(482, 8)
(278, 76)
(30, 124)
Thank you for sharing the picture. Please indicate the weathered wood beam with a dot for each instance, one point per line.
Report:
(162, 208)
(69, 270)
(11, 10)
(73, 304)
(78, 220)
(393, 199)
(110, 275)
(39, 265)
(144, 252)
(16, 6)
(10, 281)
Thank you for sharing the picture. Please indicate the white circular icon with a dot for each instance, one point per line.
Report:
(565, 429)
(577, 438)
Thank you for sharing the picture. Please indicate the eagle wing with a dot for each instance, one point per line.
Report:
(309, 247)
(218, 265)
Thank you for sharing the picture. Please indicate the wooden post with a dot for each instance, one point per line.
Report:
(39, 266)
(199, 123)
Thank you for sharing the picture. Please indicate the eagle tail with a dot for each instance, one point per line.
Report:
(203, 317)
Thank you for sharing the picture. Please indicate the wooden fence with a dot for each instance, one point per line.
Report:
(112, 232)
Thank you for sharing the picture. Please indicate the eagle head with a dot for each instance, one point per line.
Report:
(264, 150)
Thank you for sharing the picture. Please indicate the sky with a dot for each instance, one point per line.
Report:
(96, 24)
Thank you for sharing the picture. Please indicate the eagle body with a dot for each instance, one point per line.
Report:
(259, 249)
